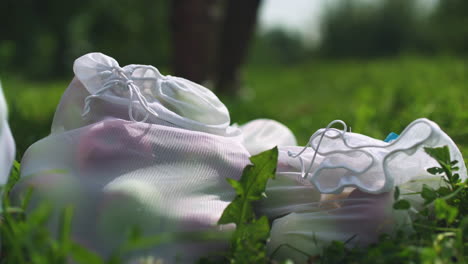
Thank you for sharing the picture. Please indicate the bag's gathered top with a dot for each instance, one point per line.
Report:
(337, 159)
(147, 93)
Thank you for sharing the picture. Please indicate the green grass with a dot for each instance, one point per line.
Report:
(373, 97)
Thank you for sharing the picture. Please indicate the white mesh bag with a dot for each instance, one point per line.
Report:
(130, 146)
(341, 187)
(337, 159)
(356, 218)
(7, 145)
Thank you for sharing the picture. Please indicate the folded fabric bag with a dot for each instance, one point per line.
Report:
(132, 147)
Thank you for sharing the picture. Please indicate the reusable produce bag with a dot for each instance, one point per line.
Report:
(7, 145)
(132, 147)
(350, 180)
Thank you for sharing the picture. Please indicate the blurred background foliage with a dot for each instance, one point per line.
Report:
(395, 27)
(378, 65)
(40, 39)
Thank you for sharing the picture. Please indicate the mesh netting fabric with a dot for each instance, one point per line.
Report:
(131, 147)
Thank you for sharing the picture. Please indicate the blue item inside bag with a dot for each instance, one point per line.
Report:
(391, 137)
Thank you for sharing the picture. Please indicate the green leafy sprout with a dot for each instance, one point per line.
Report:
(248, 243)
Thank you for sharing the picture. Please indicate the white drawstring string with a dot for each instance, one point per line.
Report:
(123, 79)
(305, 173)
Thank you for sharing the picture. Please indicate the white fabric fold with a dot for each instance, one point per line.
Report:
(7, 145)
(263, 134)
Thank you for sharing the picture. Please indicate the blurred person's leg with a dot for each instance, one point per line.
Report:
(237, 30)
(194, 26)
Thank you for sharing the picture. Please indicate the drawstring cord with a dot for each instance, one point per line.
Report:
(133, 90)
(305, 173)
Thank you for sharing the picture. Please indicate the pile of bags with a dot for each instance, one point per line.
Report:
(132, 147)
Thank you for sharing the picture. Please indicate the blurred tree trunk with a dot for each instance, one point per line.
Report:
(237, 30)
(206, 47)
(194, 27)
